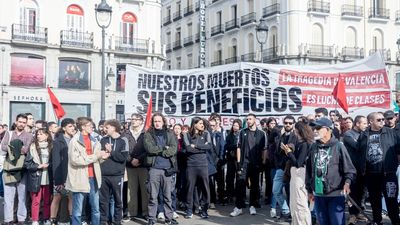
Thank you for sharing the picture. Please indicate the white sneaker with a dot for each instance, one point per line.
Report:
(47, 222)
(175, 215)
(272, 213)
(236, 212)
(84, 223)
(35, 223)
(161, 216)
(212, 206)
(252, 210)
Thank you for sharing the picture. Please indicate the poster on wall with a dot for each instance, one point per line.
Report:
(73, 74)
(27, 71)
(265, 90)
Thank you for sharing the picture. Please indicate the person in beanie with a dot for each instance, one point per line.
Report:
(329, 173)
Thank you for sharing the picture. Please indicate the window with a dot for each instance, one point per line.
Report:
(234, 11)
(27, 70)
(75, 18)
(73, 74)
(219, 18)
(169, 11)
(190, 61)
(250, 4)
(120, 113)
(36, 108)
(29, 16)
(189, 29)
(128, 28)
(178, 34)
(121, 75)
(178, 6)
(398, 82)
(317, 35)
(351, 39)
(377, 39)
(233, 50)
(250, 43)
(76, 110)
(178, 63)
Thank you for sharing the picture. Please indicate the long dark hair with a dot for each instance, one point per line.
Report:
(238, 121)
(304, 131)
(192, 130)
(49, 140)
(165, 127)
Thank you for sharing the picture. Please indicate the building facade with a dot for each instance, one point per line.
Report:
(57, 44)
(300, 32)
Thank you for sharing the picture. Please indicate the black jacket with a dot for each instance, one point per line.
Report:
(136, 149)
(59, 157)
(350, 141)
(280, 157)
(197, 156)
(340, 169)
(34, 175)
(115, 164)
(231, 146)
(255, 154)
(389, 141)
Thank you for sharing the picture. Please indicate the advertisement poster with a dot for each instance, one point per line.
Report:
(27, 71)
(73, 74)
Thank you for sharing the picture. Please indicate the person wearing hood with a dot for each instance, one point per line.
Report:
(329, 173)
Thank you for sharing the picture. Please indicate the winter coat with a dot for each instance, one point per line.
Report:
(34, 175)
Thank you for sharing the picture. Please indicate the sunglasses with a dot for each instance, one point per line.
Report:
(318, 127)
(389, 118)
(380, 120)
(288, 123)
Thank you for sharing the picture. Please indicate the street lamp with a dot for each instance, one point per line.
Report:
(262, 35)
(103, 19)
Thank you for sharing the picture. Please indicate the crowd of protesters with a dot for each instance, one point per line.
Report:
(73, 173)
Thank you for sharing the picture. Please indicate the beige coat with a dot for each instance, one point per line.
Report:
(78, 162)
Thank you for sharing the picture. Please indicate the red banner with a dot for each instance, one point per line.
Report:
(379, 99)
(353, 80)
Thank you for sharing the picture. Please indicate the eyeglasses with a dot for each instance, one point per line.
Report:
(288, 123)
(135, 119)
(380, 120)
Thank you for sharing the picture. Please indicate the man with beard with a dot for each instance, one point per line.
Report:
(350, 139)
(378, 155)
(30, 124)
(11, 189)
(250, 152)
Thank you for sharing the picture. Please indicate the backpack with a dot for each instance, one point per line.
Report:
(13, 166)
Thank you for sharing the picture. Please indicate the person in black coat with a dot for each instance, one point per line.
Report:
(59, 159)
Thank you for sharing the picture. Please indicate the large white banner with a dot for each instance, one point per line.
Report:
(235, 90)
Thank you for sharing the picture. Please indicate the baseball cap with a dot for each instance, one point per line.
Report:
(323, 122)
(389, 114)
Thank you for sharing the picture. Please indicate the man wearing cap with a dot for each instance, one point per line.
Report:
(378, 153)
(390, 119)
(329, 174)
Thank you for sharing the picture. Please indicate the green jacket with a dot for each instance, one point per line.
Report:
(153, 150)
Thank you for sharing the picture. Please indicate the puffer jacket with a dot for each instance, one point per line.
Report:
(34, 175)
(78, 162)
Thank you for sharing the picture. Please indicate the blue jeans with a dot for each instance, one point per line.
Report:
(330, 210)
(77, 202)
(277, 190)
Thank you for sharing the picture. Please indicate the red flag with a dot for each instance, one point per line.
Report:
(339, 93)
(58, 109)
(147, 124)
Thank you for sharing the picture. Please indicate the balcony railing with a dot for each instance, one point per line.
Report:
(177, 44)
(232, 60)
(76, 39)
(270, 54)
(167, 20)
(168, 48)
(249, 18)
(379, 13)
(249, 57)
(218, 29)
(29, 33)
(217, 63)
(272, 10)
(177, 15)
(197, 37)
(131, 45)
(319, 7)
(188, 10)
(188, 41)
(352, 10)
(352, 53)
(320, 51)
(232, 24)
(385, 53)
(398, 16)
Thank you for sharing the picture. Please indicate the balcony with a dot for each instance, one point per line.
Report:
(26, 33)
(352, 11)
(197, 37)
(249, 18)
(131, 45)
(319, 7)
(397, 20)
(232, 24)
(232, 60)
(319, 51)
(177, 45)
(217, 63)
(76, 39)
(249, 57)
(168, 48)
(188, 41)
(385, 53)
(188, 10)
(352, 53)
(270, 54)
(197, 6)
(167, 20)
(218, 29)
(272, 10)
(177, 15)
(379, 13)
